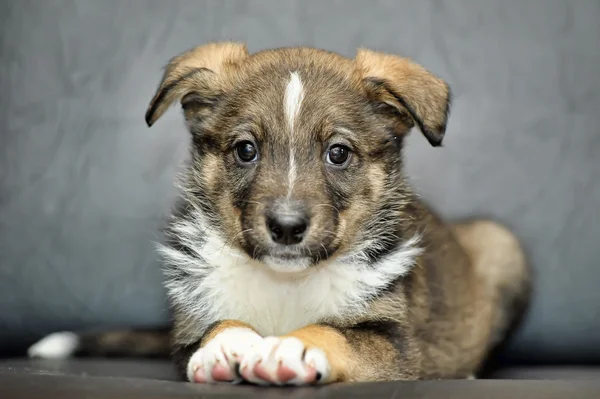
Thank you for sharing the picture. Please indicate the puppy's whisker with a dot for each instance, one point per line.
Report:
(309, 251)
(229, 242)
(258, 205)
(254, 252)
(327, 234)
(326, 253)
(330, 206)
(238, 234)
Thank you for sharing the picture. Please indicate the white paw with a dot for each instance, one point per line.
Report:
(217, 361)
(58, 345)
(284, 361)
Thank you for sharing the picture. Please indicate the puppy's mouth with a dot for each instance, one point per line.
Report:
(287, 263)
(291, 259)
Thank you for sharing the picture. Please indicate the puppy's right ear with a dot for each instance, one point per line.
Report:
(199, 75)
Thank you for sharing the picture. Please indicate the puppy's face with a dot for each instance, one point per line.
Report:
(296, 152)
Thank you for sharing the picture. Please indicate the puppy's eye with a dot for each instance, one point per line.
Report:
(338, 154)
(246, 152)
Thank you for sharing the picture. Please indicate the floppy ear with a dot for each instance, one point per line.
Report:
(198, 75)
(416, 95)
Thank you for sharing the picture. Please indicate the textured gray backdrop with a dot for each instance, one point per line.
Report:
(84, 184)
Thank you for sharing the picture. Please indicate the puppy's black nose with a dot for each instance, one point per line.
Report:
(287, 228)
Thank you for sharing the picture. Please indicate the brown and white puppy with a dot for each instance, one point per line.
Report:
(299, 254)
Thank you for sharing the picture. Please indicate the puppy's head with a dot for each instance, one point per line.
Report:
(296, 154)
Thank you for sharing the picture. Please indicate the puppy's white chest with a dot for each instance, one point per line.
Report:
(277, 304)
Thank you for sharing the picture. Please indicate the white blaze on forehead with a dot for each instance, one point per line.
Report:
(292, 101)
(294, 92)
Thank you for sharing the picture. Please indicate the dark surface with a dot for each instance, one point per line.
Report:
(53, 386)
(84, 183)
(164, 370)
(565, 373)
(95, 378)
(139, 368)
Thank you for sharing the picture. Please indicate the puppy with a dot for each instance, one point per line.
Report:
(298, 253)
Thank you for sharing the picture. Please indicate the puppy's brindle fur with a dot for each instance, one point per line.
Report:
(418, 299)
(441, 316)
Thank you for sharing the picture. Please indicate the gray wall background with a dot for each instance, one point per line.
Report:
(84, 184)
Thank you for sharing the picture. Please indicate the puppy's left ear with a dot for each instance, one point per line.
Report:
(416, 95)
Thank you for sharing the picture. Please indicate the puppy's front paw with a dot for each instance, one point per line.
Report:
(218, 360)
(284, 361)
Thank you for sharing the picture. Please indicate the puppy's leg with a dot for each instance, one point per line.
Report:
(502, 270)
(374, 351)
(216, 355)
